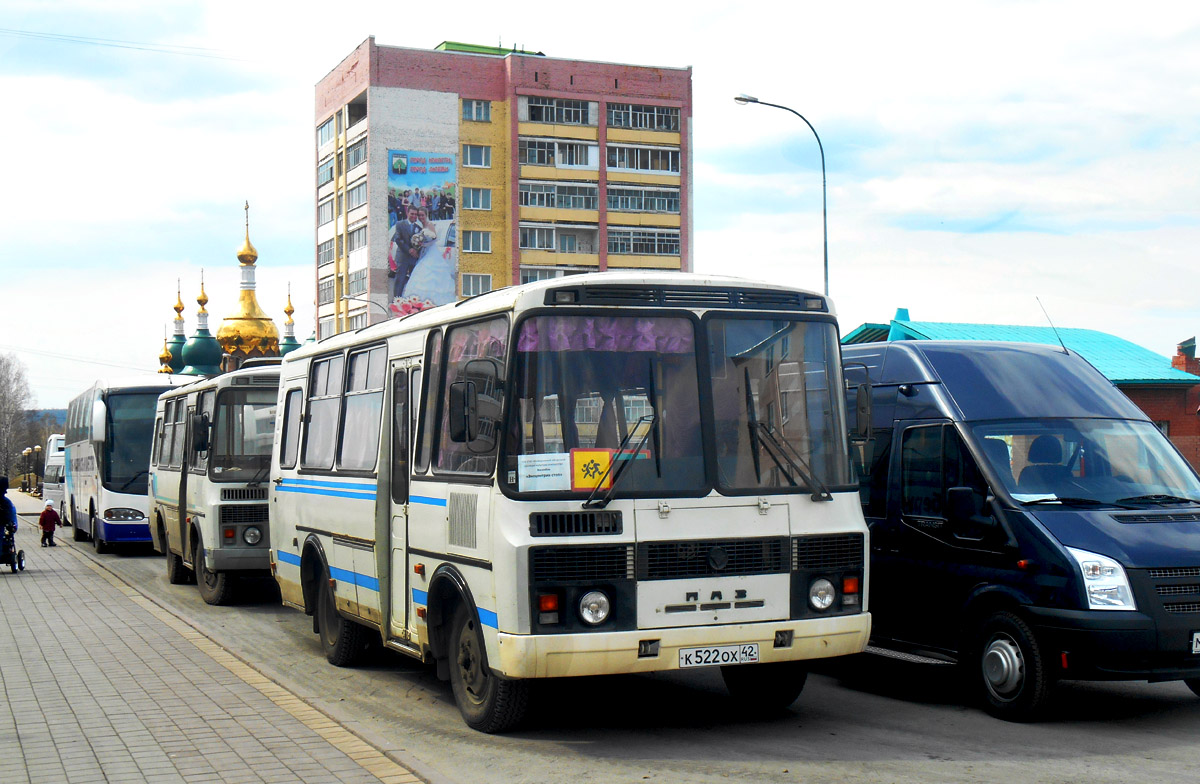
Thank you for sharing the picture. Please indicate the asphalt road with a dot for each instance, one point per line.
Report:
(867, 721)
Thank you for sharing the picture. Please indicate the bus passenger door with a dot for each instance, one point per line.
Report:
(401, 453)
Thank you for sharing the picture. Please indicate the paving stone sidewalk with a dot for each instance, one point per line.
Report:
(97, 684)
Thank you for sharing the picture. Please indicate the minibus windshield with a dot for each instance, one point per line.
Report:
(1087, 461)
(585, 384)
(242, 430)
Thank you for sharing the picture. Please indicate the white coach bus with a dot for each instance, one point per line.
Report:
(109, 429)
(208, 478)
(54, 474)
(605, 473)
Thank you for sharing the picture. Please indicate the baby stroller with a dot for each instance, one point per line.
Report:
(9, 554)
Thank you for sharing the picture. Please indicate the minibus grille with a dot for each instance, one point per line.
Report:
(1177, 590)
(586, 563)
(248, 514)
(827, 552)
(243, 494)
(711, 557)
(1174, 571)
(600, 521)
(1184, 608)
(1169, 517)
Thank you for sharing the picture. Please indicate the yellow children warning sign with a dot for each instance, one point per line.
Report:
(588, 467)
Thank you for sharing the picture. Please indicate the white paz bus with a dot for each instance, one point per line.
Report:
(109, 429)
(208, 478)
(54, 473)
(605, 473)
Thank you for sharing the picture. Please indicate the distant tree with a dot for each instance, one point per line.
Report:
(14, 417)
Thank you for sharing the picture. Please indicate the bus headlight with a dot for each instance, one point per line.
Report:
(821, 594)
(123, 515)
(594, 608)
(1104, 581)
(252, 535)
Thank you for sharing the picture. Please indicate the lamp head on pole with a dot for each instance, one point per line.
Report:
(744, 99)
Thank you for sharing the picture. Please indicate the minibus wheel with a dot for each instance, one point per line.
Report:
(215, 587)
(344, 641)
(765, 687)
(1011, 671)
(1193, 684)
(177, 573)
(487, 702)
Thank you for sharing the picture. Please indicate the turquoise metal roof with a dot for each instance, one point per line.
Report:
(1120, 361)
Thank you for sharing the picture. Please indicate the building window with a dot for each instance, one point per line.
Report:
(473, 285)
(325, 252)
(531, 274)
(477, 111)
(1164, 426)
(533, 152)
(563, 111)
(650, 159)
(537, 238)
(532, 194)
(325, 328)
(639, 242)
(576, 197)
(643, 200)
(477, 198)
(649, 118)
(356, 154)
(324, 172)
(325, 291)
(477, 155)
(571, 154)
(357, 282)
(477, 241)
(325, 132)
(357, 195)
(325, 212)
(356, 238)
(568, 243)
(357, 320)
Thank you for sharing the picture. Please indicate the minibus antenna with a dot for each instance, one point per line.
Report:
(1060, 340)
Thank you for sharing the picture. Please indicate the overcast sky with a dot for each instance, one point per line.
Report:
(979, 154)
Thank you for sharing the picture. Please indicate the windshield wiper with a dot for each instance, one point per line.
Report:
(1158, 498)
(133, 479)
(778, 450)
(1068, 500)
(592, 502)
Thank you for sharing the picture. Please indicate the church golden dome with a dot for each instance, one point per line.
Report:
(250, 332)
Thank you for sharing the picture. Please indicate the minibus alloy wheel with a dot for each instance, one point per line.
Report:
(1010, 669)
(487, 702)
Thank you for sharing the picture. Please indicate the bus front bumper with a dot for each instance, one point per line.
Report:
(566, 655)
(236, 559)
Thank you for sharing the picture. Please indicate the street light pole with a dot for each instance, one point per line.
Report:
(386, 312)
(37, 451)
(25, 482)
(745, 99)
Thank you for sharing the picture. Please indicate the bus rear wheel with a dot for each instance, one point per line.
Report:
(487, 702)
(177, 573)
(343, 641)
(772, 686)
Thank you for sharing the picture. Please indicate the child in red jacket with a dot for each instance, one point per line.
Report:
(49, 521)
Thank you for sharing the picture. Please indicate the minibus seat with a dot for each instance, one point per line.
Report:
(997, 454)
(1045, 471)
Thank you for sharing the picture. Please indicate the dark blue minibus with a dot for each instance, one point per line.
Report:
(1028, 522)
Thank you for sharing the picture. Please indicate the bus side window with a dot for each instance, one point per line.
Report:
(158, 434)
(324, 407)
(359, 440)
(400, 436)
(433, 367)
(290, 441)
(921, 471)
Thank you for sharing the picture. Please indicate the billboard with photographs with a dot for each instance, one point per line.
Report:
(422, 233)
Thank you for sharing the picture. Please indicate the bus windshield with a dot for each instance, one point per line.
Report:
(776, 404)
(129, 428)
(584, 386)
(1111, 461)
(242, 431)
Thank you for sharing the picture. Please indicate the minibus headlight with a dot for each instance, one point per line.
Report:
(252, 535)
(1104, 581)
(820, 594)
(594, 608)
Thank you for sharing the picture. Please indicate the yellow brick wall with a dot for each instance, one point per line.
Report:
(498, 263)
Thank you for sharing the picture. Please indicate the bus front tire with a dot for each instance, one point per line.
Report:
(1193, 684)
(97, 542)
(1012, 676)
(343, 641)
(772, 686)
(487, 702)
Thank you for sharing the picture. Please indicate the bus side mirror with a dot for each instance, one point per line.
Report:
(463, 413)
(200, 428)
(99, 415)
(862, 413)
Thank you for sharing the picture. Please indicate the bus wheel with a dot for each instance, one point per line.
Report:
(343, 641)
(765, 687)
(62, 514)
(215, 587)
(1193, 684)
(177, 573)
(487, 702)
(1011, 672)
(97, 542)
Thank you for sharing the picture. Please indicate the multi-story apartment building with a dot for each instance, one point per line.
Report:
(446, 173)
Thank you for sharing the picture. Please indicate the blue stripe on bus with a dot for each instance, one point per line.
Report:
(486, 617)
(427, 500)
(361, 580)
(333, 485)
(288, 558)
(317, 491)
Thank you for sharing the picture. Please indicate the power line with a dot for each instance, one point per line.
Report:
(186, 51)
(40, 353)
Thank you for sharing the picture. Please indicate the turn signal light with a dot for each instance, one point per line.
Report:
(548, 602)
(229, 533)
(849, 585)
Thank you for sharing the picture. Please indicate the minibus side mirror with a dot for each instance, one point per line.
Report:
(862, 413)
(200, 428)
(960, 504)
(463, 413)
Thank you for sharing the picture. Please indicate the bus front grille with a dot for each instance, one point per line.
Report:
(586, 563)
(246, 514)
(827, 552)
(243, 494)
(711, 558)
(586, 523)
